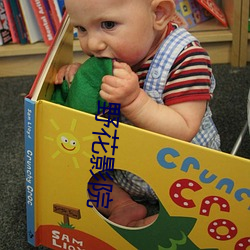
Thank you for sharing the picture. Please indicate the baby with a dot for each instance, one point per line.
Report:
(162, 78)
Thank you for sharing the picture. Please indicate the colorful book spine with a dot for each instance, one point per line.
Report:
(42, 18)
(29, 134)
(5, 35)
(33, 30)
(11, 22)
(19, 21)
(54, 13)
(212, 7)
(49, 13)
(61, 5)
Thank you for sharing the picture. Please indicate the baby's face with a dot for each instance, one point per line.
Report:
(117, 29)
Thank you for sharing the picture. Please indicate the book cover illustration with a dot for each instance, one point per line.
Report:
(192, 12)
(5, 35)
(201, 191)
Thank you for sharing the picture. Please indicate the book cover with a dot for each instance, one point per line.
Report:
(19, 21)
(201, 191)
(33, 30)
(11, 22)
(215, 10)
(192, 12)
(199, 202)
(5, 35)
(43, 21)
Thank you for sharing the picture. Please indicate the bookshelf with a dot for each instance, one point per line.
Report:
(223, 44)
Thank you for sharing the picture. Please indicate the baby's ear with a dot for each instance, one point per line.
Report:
(164, 11)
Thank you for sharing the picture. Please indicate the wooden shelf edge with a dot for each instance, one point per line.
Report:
(213, 36)
(12, 50)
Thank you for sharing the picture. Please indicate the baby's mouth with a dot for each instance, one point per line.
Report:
(117, 60)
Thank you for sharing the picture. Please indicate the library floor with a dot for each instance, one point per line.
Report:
(229, 111)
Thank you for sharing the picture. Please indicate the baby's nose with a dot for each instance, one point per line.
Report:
(96, 44)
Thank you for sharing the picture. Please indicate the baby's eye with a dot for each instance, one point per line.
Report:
(108, 25)
(81, 29)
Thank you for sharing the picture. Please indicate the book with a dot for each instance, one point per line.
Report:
(43, 20)
(55, 58)
(215, 10)
(55, 12)
(33, 30)
(201, 191)
(5, 35)
(19, 21)
(51, 19)
(11, 22)
(192, 12)
(59, 54)
(61, 6)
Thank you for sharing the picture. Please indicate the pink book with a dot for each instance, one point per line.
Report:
(215, 10)
(11, 22)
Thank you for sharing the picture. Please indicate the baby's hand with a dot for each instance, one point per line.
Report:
(67, 72)
(122, 87)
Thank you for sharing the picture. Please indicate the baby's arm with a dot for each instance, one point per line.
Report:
(67, 72)
(181, 121)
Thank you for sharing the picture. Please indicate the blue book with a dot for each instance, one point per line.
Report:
(29, 136)
(19, 21)
(61, 6)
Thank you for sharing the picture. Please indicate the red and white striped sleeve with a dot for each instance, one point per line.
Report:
(189, 77)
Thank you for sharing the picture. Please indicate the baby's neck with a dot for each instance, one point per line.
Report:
(155, 46)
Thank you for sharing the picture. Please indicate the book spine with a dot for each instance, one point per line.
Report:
(29, 134)
(11, 22)
(48, 11)
(58, 11)
(5, 35)
(61, 6)
(33, 30)
(54, 14)
(20, 25)
(43, 20)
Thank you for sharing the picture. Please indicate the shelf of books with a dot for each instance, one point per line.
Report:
(25, 53)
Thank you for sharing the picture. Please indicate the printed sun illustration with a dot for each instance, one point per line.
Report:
(67, 143)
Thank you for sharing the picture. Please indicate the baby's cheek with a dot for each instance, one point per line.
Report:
(130, 54)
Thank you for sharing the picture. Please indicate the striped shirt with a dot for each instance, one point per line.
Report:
(189, 77)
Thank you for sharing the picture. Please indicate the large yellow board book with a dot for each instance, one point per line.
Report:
(204, 195)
